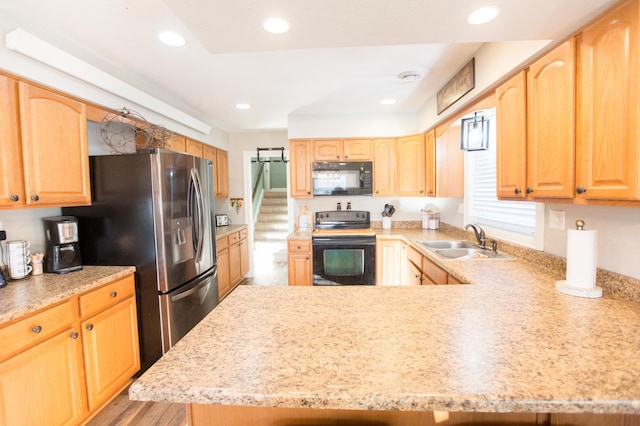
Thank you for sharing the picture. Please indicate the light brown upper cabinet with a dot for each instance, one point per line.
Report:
(511, 128)
(341, 149)
(430, 162)
(220, 169)
(44, 148)
(384, 167)
(11, 180)
(410, 166)
(178, 144)
(551, 123)
(194, 148)
(608, 136)
(300, 168)
(448, 170)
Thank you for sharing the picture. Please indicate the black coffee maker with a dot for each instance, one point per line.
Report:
(63, 247)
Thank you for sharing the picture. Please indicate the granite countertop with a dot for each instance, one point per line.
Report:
(508, 342)
(223, 231)
(22, 297)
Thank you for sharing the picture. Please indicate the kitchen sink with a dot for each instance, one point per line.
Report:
(445, 244)
(460, 249)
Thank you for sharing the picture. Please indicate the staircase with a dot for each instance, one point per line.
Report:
(271, 228)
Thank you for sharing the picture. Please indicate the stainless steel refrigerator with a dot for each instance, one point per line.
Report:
(154, 210)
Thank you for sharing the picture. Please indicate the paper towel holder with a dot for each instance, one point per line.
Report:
(564, 287)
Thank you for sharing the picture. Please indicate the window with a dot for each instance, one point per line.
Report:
(520, 222)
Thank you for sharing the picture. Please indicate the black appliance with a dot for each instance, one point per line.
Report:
(154, 210)
(343, 178)
(344, 248)
(62, 252)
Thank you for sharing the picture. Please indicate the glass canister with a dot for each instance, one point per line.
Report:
(430, 219)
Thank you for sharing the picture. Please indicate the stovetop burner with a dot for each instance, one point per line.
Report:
(343, 219)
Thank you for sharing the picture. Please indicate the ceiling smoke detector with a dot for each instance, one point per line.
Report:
(409, 76)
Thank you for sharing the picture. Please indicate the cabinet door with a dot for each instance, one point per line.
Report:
(224, 282)
(11, 180)
(299, 263)
(430, 162)
(391, 262)
(244, 257)
(511, 128)
(299, 269)
(410, 166)
(357, 149)
(178, 144)
(329, 150)
(54, 148)
(110, 346)
(384, 167)
(449, 164)
(300, 168)
(194, 148)
(608, 139)
(550, 133)
(235, 271)
(43, 385)
(222, 174)
(414, 274)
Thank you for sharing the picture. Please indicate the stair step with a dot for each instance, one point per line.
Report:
(274, 201)
(275, 226)
(273, 209)
(273, 217)
(275, 194)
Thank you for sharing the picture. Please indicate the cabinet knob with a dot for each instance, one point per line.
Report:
(346, 156)
(89, 327)
(37, 329)
(529, 190)
(377, 192)
(308, 192)
(35, 197)
(113, 294)
(581, 189)
(516, 191)
(422, 191)
(74, 335)
(14, 198)
(306, 258)
(299, 247)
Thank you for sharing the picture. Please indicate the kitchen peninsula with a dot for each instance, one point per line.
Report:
(507, 347)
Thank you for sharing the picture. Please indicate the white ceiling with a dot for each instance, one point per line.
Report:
(340, 56)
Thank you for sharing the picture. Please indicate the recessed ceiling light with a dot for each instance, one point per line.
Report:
(409, 76)
(482, 15)
(388, 101)
(172, 39)
(275, 25)
(243, 106)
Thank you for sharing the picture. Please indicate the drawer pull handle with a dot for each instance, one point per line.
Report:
(37, 329)
(90, 327)
(74, 335)
(114, 293)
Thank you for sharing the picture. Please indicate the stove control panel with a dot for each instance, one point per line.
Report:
(343, 219)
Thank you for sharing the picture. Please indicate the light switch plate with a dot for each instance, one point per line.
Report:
(556, 219)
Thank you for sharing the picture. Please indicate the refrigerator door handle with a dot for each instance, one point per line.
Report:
(198, 219)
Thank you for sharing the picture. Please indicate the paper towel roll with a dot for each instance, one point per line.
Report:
(581, 258)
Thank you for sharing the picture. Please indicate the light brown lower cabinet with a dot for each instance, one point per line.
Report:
(233, 261)
(58, 371)
(300, 263)
(424, 271)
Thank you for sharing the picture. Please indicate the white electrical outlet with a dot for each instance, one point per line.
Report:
(556, 219)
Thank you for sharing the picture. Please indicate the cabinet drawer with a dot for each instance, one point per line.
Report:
(234, 238)
(244, 234)
(222, 243)
(105, 296)
(414, 257)
(36, 328)
(433, 272)
(299, 246)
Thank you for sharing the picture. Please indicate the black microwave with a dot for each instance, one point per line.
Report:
(342, 178)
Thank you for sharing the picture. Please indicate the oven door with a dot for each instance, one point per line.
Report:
(344, 260)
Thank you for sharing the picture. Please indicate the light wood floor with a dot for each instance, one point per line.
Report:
(123, 412)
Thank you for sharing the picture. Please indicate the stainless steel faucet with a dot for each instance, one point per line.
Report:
(480, 236)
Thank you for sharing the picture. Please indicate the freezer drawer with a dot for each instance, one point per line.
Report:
(183, 308)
